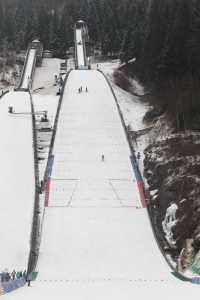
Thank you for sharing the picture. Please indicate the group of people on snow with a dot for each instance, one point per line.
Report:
(6, 276)
(59, 79)
(81, 89)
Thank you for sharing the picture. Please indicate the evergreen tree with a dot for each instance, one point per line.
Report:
(176, 53)
(64, 36)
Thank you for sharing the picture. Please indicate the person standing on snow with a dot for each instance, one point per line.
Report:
(7, 277)
(86, 89)
(29, 279)
(3, 274)
(18, 275)
(13, 274)
(61, 81)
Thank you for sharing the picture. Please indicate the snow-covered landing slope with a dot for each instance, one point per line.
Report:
(95, 243)
(80, 52)
(92, 229)
(28, 69)
(17, 182)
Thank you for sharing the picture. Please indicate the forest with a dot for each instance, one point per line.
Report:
(163, 36)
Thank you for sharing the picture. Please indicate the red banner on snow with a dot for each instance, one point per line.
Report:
(123, 64)
(1, 289)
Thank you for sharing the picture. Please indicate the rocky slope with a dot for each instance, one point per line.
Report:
(172, 164)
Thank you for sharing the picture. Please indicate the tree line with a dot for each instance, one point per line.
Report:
(165, 39)
(53, 21)
(163, 36)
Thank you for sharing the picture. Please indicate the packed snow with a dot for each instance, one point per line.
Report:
(96, 245)
(17, 181)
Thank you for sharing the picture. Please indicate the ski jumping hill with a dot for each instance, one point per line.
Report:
(97, 241)
(17, 179)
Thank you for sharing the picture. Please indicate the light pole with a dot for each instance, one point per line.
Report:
(4, 59)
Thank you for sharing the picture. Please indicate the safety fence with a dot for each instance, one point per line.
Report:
(32, 74)
(30, 80)
(142, 190)
(76, 56)
(7, 287)
(34, 248)
(24, 67)
(84, 51)
(195, 268)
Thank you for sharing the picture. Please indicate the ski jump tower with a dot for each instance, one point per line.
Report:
(80, 38)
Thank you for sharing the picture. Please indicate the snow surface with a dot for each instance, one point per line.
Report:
(80, 52)
(132, 108)
(17, 181)
(28, 69)
(95, 248)
(44, 79)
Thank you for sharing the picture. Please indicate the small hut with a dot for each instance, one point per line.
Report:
(39, 50)
(47, 54)
(80, 24)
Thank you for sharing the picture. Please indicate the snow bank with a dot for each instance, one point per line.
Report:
(17, 180)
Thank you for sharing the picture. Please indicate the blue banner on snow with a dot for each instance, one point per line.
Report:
(13, 285)
(134, 168)
(51, 167)
(196, 280)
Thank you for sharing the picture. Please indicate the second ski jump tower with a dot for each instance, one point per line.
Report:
(33, 59)
(80, 38)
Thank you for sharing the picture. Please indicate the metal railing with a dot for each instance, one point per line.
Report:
(34, 247)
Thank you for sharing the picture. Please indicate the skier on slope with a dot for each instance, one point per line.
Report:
(10, 109)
